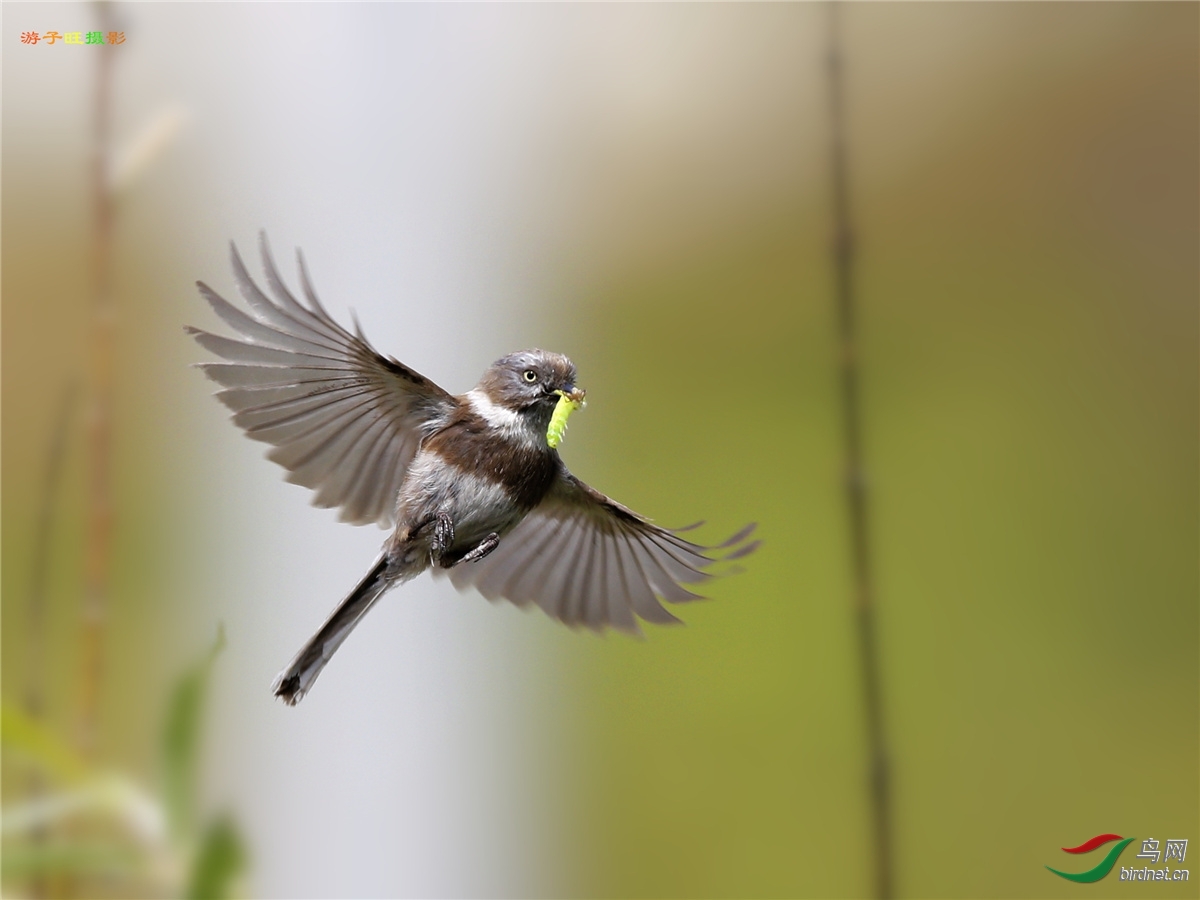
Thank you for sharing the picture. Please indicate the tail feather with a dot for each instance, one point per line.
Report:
(294, 682)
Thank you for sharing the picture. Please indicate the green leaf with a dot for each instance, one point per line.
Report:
(221, 859)
(29, 738)
(181, 740)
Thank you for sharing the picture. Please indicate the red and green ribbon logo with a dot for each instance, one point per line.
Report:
(1105, 865)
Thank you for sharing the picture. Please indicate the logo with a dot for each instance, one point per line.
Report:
(1175, 849)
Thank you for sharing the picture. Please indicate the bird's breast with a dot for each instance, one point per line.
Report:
(484, 483)
(523, 467)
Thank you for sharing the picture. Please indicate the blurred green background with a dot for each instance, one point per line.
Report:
(1025, 190)
(1029, 350)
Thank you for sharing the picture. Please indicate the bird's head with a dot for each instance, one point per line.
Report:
(527, 386)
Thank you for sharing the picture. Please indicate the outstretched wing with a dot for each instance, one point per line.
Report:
(587, 560)
(344, 420)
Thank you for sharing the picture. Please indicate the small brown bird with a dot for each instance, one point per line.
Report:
(472, 485)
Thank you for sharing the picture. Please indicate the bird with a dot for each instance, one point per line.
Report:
(472, 486)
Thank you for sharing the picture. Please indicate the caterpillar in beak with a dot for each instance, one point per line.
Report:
(567, 404)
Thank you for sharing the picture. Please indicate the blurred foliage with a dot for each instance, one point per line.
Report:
(181, 741)
(38, 745)
(96, 830)
(102, 859)
(220, 860)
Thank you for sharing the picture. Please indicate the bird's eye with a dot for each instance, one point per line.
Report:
(530, 376)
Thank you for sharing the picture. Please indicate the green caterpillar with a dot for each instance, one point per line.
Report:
(567, 404)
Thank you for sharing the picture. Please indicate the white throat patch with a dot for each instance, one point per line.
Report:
(497, 416)
(507, 422)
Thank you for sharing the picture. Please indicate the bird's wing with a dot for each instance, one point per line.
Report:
(587, 560)
(344, 420)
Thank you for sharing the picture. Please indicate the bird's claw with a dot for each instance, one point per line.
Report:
(443, 537)
(486, 546)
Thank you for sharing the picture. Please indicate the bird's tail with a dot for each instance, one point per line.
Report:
(294, 682)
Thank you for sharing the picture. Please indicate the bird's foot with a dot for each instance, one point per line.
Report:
(443, 537)
(486, 546)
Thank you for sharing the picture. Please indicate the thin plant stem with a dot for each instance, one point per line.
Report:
(98, 548)
(855, 479)
(42, 538)
(36, 633)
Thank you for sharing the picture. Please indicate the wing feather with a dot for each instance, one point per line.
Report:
(580, 573)
(549, 590)
(237, 351)
(659, 579)
(641, 595)
(236, 377)
(295, 319)
(369, 473)
(535, 569)
(585, 559)
(594, 605)
(292, 412)
(500, 579)
(608, 597)
(342, 419)
(298, 447)
(255, 330)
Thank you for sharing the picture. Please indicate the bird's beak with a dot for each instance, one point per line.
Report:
(573, 393)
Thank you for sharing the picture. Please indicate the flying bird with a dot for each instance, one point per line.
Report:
(471, 485)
